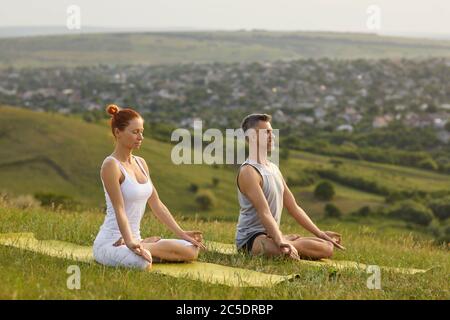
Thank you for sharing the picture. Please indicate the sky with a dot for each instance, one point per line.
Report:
(394, 16)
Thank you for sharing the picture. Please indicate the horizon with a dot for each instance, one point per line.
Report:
(390, 18)
(58, 30)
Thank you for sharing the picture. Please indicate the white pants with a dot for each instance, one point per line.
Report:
(107, 254)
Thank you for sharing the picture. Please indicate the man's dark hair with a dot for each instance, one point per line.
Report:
(252, 120)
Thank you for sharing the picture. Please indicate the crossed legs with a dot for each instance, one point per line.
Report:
(307, 247)
(172, 250)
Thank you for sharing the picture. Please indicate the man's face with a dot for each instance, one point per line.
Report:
(263, 134)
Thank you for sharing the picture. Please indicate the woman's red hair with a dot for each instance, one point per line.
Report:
(120, 118)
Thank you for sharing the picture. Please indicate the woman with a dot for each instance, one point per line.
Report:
(128, 188)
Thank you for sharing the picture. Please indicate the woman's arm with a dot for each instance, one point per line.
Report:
(163, 214)
(110, 174)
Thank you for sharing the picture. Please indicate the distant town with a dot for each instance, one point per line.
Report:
(354, 95)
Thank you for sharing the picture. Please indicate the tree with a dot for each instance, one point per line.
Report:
(284, 154)
(441, 208)
(429, 164)
(215, 182)
(193, 188)
(411, 211)
(205, 200)
(447, 126)
(331, 211)
(324, 191)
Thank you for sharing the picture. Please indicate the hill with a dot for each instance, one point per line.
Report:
(61, 154)
(155, 48)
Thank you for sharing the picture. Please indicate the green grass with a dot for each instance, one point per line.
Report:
(27, 275)
(62, 154)
(201, 47)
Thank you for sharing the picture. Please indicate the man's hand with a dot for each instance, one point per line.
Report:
(289, 250)
(333, 237)
(151, 239)
(292, 237)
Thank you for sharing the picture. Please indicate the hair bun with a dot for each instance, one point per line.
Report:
(112, 109)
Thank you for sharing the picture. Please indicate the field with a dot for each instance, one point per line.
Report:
(28, 275)
(62, 155)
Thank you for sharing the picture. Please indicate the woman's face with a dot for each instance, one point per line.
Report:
(131, 137)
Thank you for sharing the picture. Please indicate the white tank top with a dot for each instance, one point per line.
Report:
(135, 196)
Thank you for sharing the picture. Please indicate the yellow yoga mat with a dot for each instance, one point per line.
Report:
(226, 248)
(201, 271)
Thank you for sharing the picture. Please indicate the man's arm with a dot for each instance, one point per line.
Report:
(305, 221)
(249, 182)
(298, 213)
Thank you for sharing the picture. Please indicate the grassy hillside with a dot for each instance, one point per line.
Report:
(53, 153)
(221, 46)
(44, 152)
(28, 275)
(62, 154)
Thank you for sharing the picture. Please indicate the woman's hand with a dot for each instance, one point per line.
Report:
(119, 242)
(333, 237)
(139, 249)
(194, 237)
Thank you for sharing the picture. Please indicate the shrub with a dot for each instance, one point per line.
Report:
(284, 154)
(205, 200)
(324, 191)
(303, 179)
(335, 162)
(215, 182)
(429, 164)
(52, 199)
(447, 126)
(363, 211)
(441, 208)
(24, 202)
(193, 188)
(444, 237)
(411, 211)
(441, 231)
(354, 182)
(395, 196)
(331, 211)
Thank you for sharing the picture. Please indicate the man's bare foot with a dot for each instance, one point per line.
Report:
(151, 239)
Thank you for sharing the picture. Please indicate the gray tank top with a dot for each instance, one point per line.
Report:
(249, 222)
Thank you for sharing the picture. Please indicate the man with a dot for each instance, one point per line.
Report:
(262, 194)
